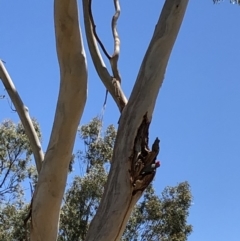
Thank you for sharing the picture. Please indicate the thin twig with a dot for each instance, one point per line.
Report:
(11, 105)
(95, 32)
(105, 100)
(23, 113)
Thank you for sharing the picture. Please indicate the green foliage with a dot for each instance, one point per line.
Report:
(154, 218)
(83, 197)
(15, 167)
(80, 204)
(161, 218)
(15, 159)
(12, 226)
(98, 148)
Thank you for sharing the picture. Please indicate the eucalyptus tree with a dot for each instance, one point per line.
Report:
(131, 152)
(153, 218)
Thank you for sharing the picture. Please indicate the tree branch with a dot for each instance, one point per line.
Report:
(51, 184)
(7, 173)
(23, 113)
(115, 56)
(95, 32)
(153, 67)
(119, 199)
(110, 82)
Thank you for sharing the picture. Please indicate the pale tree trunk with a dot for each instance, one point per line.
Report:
(131, 154)
(121, 194)
(71, 101)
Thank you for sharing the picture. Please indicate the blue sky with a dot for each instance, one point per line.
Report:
(197, 114)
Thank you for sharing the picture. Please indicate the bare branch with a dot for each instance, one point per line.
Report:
(23, 113)
(109, 81)
(115, 56)
(8, 171)
(95, 32)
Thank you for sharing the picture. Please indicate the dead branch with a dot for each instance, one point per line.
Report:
(23, 113)
(95, 32)
(109, 81)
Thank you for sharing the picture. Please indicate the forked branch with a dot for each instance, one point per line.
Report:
(112, 83)
(23, 113)
(124, 185)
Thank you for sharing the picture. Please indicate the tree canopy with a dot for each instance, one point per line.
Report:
(154, 217)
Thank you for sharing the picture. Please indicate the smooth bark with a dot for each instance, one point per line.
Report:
(112, 83)
(24, 116)
(118, 199)
(121, 193)
(71, 101)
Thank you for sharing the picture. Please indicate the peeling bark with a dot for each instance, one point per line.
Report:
(71, 101)
(142, 157)
(120, 195)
